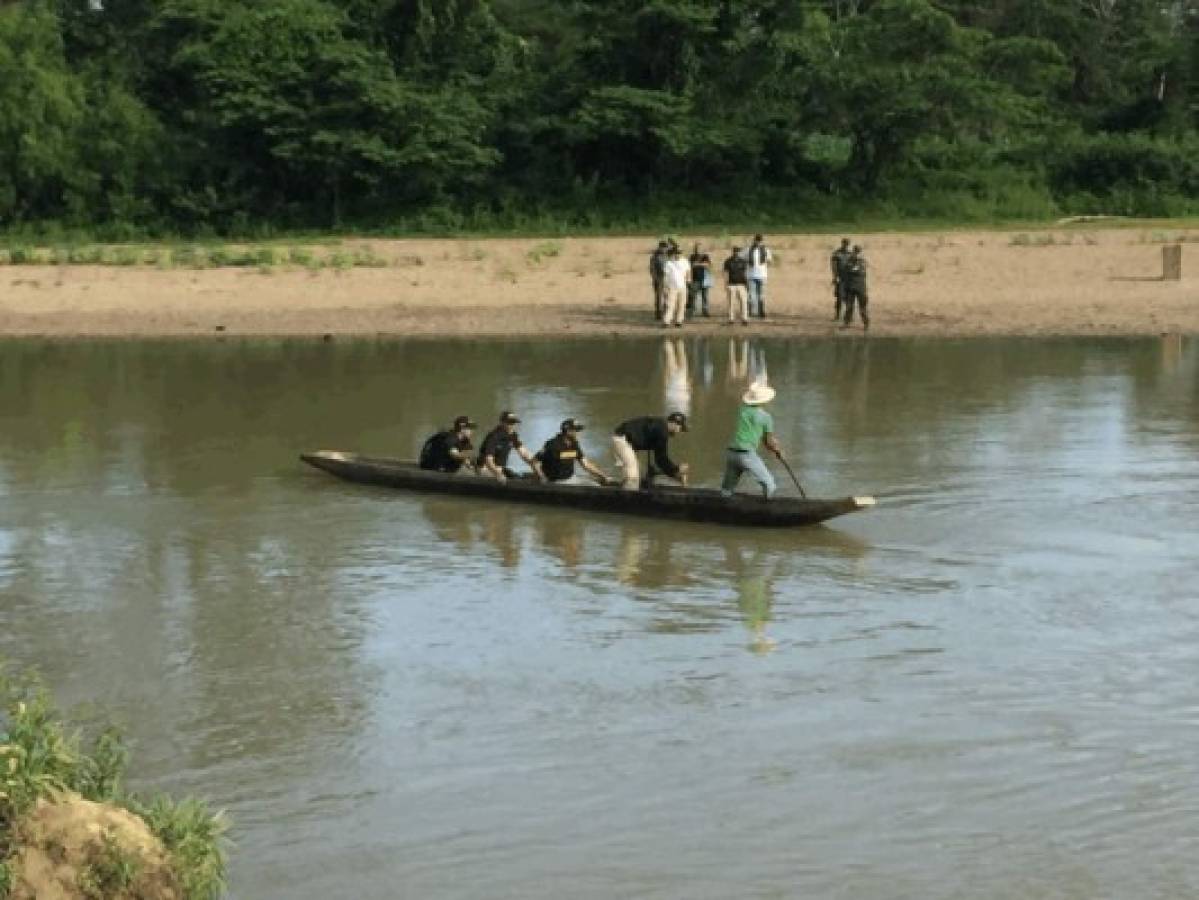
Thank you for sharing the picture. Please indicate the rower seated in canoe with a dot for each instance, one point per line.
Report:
(651, 435)
(556, 460)
(499, 443)
(449, 450)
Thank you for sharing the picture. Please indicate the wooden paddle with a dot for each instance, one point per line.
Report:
(792, 474)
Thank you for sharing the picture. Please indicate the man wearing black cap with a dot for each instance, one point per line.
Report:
(556, 461)
(500, 441)
(449, 451)
(650, 434)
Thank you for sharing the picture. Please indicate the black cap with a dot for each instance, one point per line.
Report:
(572, 425)
(509, 418)
(679, 419)
(757, 238)
(662, 245)
(463, 422)
(736, 248)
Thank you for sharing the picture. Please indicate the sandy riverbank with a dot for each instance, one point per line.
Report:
(1074, 280)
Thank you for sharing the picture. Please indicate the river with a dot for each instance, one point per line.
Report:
(984, 687)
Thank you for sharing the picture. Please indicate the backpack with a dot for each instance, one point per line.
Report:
(657, 265)
(428, 452)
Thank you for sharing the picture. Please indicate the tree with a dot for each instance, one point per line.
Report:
(295, 108)
(41, 109)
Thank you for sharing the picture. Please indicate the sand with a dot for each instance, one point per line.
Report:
(1066, 281)
(74, 849)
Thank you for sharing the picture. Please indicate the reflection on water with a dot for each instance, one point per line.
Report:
(435, 693)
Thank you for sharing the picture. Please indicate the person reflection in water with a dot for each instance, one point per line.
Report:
(676, 379)
(747, 364)
(755, 597)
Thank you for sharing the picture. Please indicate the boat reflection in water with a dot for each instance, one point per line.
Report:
(690, 579)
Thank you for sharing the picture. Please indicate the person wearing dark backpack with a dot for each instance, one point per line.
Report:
(449, 450)
(657, 275)
(839, 264)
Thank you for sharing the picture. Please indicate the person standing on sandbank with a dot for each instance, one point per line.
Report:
(736, 281)
(657, 272)
(857, 292)
(676, 278)
(759, 263)
(839, 262)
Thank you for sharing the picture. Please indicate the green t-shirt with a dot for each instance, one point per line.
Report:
(752, 423)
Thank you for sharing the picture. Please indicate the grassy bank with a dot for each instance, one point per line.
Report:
(323, 252)
(44, 759)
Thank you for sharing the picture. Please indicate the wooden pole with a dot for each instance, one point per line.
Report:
(1172, 263)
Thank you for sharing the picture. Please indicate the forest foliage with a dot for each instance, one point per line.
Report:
(136, 117)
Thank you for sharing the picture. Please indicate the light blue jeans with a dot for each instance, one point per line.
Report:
(737, 463)
(757, 297)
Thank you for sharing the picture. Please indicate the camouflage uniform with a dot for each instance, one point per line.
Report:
(657, 266)
(856, 290)
(838, 263)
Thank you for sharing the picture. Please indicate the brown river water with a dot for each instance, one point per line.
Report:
(988, 686)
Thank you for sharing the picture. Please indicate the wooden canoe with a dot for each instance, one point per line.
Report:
(691, 504)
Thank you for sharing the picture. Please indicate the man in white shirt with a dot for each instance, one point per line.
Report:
(759, 260)
(675, 279)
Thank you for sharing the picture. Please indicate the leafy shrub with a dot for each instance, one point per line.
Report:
(187, 255)
(127, 256)
(546, 250)
(365, 256)
(24, 255)
(299, 256)
(40, 757)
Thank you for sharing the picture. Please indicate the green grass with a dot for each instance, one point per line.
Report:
(265, 257)
(543, 251)
(194, 836)
(111, 873)
(40, 756)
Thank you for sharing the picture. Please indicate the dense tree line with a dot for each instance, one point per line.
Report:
(182, 115)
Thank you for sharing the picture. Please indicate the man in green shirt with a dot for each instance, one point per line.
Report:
(754, 427)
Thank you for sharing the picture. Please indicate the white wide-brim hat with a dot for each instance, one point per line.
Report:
(759, 393)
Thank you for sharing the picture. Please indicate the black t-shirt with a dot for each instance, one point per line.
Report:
(650, 433)
(840, 263)
(498, 444)
(697, 267)
(435, 454)
(558, 457)
(736, 267)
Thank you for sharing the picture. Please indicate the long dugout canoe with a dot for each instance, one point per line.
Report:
(691, 504)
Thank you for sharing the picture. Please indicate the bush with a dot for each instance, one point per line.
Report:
(1127, 174)
(40, 757)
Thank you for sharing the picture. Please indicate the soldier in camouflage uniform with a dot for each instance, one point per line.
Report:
(855, 270)
(838, 264)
